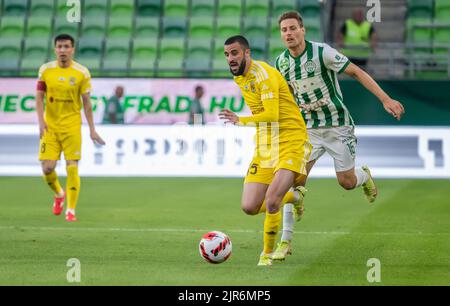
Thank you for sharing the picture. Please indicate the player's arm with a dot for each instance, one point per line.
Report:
(40, 93)
(270, 101)
(393, 107)
(87, 106)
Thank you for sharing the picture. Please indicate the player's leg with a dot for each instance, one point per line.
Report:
(282, 182)
(253, 197)
(72, 152)
(49, 154)
(341, 145)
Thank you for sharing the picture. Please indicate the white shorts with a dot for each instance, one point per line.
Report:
(339, 142)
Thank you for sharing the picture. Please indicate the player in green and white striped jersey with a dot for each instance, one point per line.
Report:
(311, 69)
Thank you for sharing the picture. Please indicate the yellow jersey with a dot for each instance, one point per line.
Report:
(63, 90)
(267, 95)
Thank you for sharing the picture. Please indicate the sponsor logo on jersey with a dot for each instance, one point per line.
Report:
(284, 64)
(72, 81)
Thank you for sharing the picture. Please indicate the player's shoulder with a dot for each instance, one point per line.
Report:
(46, 66)
(83, 69)
(262, 71)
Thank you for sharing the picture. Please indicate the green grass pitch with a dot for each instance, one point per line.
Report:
(145, 231)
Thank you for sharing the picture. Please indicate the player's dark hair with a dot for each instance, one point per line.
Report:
(65, 37)
(291, 15)
(240, 39)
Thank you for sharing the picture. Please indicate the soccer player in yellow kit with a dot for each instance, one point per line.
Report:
(65, 84)
(282, 146)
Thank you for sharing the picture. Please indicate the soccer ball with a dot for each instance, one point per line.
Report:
(215, 247)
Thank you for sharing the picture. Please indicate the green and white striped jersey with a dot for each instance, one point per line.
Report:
(312, 76)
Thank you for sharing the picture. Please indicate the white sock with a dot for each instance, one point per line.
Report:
(361, 177)
(288, 221)
(72, 211)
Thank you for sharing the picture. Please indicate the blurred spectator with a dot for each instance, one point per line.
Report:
(114, 112)
(357, 38)
(196, 113)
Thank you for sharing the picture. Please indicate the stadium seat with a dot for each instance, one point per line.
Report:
(258, 47)
(220, 68)
(93, 27)
(419, 34)
(61, 8)
(90, 47)
(274, 27)
(29, 66)
(121, 8)
(174, 27)
(228, 26)
(145, 48)
(313, 31)
(420, 8)
(170, 67)
(15, 7)
(199, 48)
(63, 26)
(146, 27)
(151, 8)
(115, 62)
(120, 27)
(42, 8)
(176, 8)
(11, 26)
(92, 63)
(9, 66)
(442, 11)
(36, 47)
(281, 6)
(39, 26)
(276, 47)
(171, 48)
(257, 8)
(197, 68)
(309, 8)
(255, 27)
(203, 8)
(218, 48)
(10, 47)
(142, 67)
(201, 27)
(230, 8)
(441, 38)
(93, 8)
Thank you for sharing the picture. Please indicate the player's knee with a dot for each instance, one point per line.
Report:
(249, 210)
(47, 169)
(347, 183)
(273, 203)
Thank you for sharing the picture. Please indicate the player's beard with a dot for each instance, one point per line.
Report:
(241, 68)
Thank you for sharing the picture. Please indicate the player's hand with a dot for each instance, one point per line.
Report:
(394, 108)
(42, 129)
(97, 139)
(228, 116)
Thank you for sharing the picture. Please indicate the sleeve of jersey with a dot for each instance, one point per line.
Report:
(41, 86)
(334, 60)
(270, 100)
(86, 86)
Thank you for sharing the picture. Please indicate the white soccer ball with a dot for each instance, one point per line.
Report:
(215, 247)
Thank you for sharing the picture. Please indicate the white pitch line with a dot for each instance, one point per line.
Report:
(181, 230)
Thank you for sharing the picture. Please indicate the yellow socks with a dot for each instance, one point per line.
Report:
(271, 228)
(289, 197)
(52, 181)
(73, 186)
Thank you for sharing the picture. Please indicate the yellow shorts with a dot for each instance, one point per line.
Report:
(292, 156)
(52, 144)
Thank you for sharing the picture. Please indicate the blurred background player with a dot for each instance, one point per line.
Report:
(280, 158)
(62, 82)
(114, 112)
(310, 69)
(196, 112)
(357, 38)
